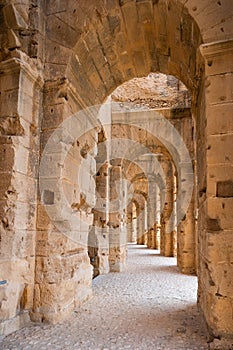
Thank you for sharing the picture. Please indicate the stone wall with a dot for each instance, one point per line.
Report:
(20, 97)
(68, 57)
(215, 230)
(63, 272)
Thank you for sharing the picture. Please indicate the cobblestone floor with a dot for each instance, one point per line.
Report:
(149, 306)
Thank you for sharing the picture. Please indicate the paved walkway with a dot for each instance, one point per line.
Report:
(149, 306)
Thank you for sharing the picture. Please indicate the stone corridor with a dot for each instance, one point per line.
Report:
(148, 306)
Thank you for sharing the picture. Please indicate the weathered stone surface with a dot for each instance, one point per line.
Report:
(59, 57)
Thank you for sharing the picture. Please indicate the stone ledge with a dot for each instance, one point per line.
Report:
(216, 48)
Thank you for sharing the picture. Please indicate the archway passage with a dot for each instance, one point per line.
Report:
(139, 154)
(158, 178)
(65, 56)
(148, 306)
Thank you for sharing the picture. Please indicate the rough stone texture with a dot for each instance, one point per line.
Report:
(149, 306)
(215, 287)
(59, 57)
(153, 91)
(20, 104)
(63, 271)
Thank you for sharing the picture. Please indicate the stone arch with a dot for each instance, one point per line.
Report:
(106, 44)
(110, 42)
(89, 50)
(132, 40)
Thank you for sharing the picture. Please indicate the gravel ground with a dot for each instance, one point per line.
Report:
(149, 306)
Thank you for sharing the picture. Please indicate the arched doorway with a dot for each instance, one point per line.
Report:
(89, 51)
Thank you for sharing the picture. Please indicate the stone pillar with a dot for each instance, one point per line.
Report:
(168, 229)
(186, 242)
(130, 222)
(157, 218)
(151, 212)
(130, 237)
(117, 230)
(141, 227)
(174, 215)
(135, 229)
(186, 229)
(63, 273)
(215, 220)
(145, 224)
(98, 245)
(20, 107)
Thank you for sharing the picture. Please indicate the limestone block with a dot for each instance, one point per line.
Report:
(22, 160)
(219, 209)
(6, 189)
(51, 70)
(25, 243)
(25, 216)
(53, 302)
(219, 89)
(52, 8)
(14, 324)
(7, 97)
(6, 155)
(59, 54)
(220, 149)
(219, 62)
(219, 31)
(13, 40)
(117, 258)
(223, 278)
(10, 297)
(219, 176)
(11, 126)
(222, 310)
(53, 115)
(61, 32)
(225, 189)
(18, 274)
(9, 81)
(129, 11)
(13, 18)
(54, 269)
(51, 167)
(26, 301)
(207, 13)
(219, 119)
(70, 169)
(69, 192)
(54, 297)
(220, 247)
(145, 12)
(26, 194)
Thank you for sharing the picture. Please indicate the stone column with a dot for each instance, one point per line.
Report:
(141, 227)
(98, 245)
(186, 235)
(186, 242)
(168, 229)
(20, 100)
(117, 231)
(145, 225)
(215, 220)
(157, 218)
(130, 227)
(63, 273)
(151, 212)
